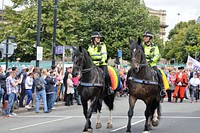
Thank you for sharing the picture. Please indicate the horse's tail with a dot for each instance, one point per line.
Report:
(109, 101)
(159, 110)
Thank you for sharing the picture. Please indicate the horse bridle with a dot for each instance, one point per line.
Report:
(84, 70)
(140, 65)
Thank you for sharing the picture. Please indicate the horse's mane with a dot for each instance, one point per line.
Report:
(82, 51)
(136, 44)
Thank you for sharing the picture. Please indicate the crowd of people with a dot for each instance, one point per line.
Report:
(182, 82)
(50, 85)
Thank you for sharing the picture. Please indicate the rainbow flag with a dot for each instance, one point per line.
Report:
(115, 79)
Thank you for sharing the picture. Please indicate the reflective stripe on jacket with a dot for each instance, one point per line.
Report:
(152, 54)
(99, 58)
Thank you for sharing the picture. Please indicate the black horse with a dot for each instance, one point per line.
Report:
(142, 82)
(91, 87)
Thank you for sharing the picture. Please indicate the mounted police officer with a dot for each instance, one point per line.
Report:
(152, 55)
(98, 53)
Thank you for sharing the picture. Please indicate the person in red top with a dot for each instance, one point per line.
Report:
(75, 81)
(180, 84)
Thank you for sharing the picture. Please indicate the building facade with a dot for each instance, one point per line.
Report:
(162, 15)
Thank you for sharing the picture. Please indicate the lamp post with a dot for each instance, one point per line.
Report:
(178, 17)
(7, 47)
(38, 28)
(54, 33)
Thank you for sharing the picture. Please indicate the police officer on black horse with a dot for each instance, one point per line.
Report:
(98, 53)
(152, 55)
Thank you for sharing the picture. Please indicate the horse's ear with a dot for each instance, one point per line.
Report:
(130, 42)
(80, 49)
(129, 39)
(139, 41)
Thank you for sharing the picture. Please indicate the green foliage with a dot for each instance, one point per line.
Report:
(117, 20)
(184, 40)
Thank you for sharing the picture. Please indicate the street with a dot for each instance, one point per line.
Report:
(176, 118)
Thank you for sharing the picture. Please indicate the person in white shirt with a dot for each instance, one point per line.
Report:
(194, 86)
(70, 91)
(28, 88)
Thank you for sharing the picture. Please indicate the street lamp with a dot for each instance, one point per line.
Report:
(7, 43)
(54, 34)
(178, 17)
(38, 27)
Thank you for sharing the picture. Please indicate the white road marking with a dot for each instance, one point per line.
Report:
(42, 123)
(94, 116)
(126, 125)
(120, 128)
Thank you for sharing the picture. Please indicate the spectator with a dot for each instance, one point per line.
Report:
(194, 83)
(75, 81)
(11, 85)
(70, 91)
(23, 75)
(50, 91)
(172, 79)
(28, 88)
(62, 88)
(41, 93)
(180, 83)
(2, 84)
(68, 70)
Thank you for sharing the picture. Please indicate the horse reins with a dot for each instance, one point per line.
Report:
(140, 65)
(84, 71)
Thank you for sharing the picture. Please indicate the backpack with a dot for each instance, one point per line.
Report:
(38, 84)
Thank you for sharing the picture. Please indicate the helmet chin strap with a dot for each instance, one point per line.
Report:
(96, 43)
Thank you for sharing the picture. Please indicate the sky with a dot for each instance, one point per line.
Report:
(188, 10)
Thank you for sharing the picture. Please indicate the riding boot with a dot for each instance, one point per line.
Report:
(162, 92)
(160, 81)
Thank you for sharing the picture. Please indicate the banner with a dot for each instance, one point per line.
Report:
(192, 64)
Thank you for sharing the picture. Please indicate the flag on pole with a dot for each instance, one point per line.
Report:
(192, 64)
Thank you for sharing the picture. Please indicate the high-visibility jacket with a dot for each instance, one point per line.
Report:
(152, 54)
(98, 54)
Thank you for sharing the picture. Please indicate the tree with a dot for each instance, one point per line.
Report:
(183, 41)
(116, 20)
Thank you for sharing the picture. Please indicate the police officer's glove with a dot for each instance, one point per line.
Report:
(148, 56)
(101, 62)
(150, 61)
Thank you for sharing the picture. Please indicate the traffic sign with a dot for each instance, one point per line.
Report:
(119, 53)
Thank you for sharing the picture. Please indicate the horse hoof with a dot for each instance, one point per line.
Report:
(98, 125)
(90, 130)
(109, 126)
(146, 132)
(155, 123)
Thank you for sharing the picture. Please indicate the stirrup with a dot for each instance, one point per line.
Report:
(110, 91)
(163, 93)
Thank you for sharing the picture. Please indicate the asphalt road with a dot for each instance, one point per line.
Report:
(176, 118)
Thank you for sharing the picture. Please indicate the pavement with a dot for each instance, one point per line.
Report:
(23, 109)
